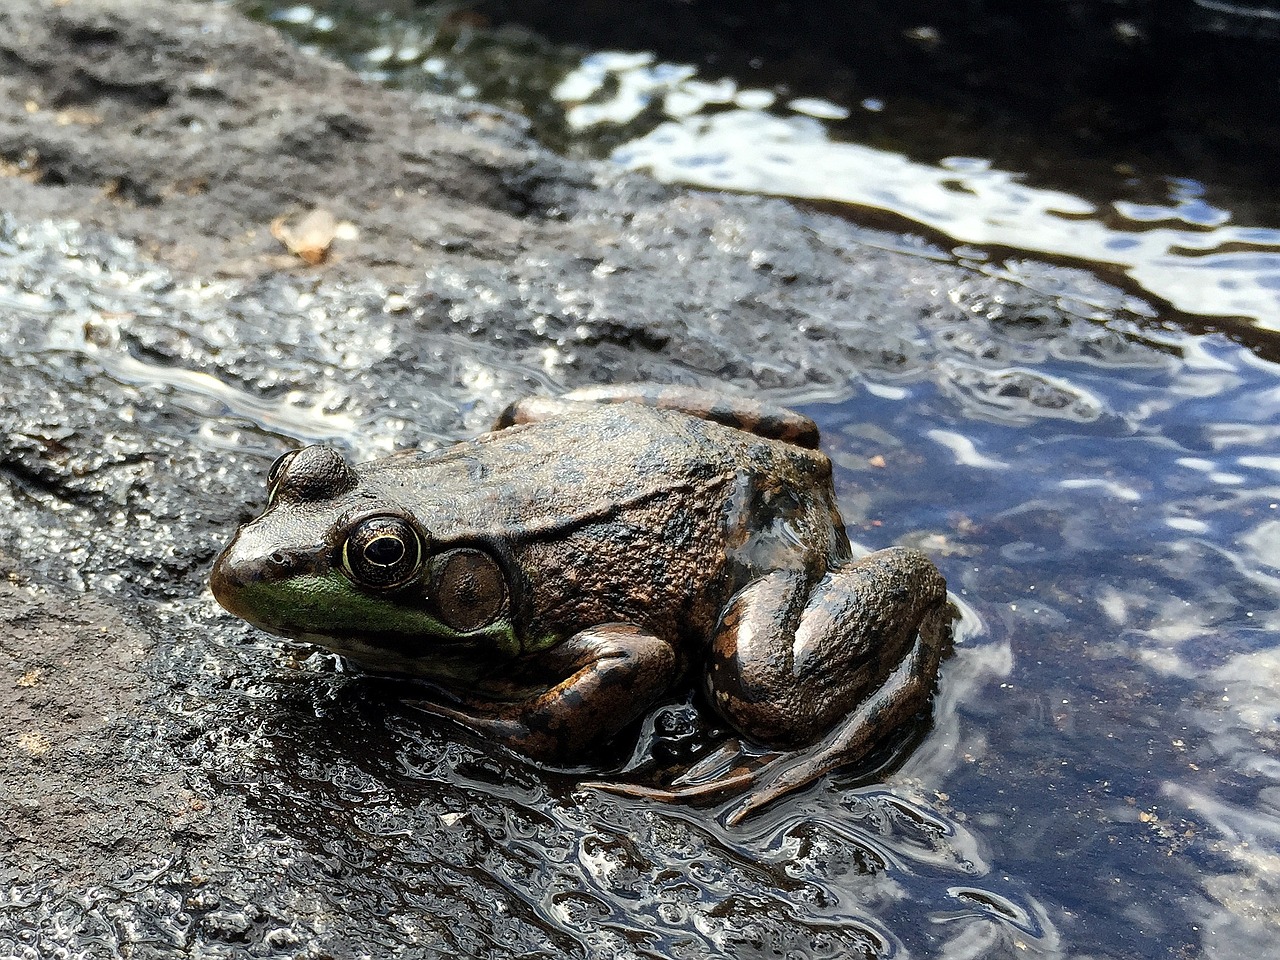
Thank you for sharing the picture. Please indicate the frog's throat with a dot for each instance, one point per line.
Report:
(312, 607)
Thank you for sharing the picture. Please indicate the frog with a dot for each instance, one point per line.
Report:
(551, 581)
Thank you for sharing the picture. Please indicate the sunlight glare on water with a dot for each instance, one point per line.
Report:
(670, 120)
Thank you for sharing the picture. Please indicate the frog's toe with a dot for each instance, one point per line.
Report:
(766, 791)
(686, 793)
(729, 769)
(757, 795)
(748, 806)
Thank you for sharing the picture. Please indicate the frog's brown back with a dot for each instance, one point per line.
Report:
(545, 477)
(612, 513)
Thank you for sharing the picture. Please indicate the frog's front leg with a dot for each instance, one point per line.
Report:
(611, 674)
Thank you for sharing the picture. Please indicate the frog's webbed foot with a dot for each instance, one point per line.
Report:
(725, 771)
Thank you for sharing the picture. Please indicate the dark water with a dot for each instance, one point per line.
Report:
(1102, 778)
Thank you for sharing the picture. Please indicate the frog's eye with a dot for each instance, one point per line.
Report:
(276, 472)
(382, 552)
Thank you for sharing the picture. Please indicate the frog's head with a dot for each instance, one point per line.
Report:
(334, 561)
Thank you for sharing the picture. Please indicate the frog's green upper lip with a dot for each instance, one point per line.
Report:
(232, 581)
(241, 571)
(299, 593)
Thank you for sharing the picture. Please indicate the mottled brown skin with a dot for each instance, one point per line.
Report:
(559, 575)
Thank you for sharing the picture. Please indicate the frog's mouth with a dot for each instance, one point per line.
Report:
(446, 661)
(260, 580)
(233, 585)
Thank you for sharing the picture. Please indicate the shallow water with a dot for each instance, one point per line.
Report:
(1102, 777)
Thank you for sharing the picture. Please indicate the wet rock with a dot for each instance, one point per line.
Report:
(85, 800)
(113, 115)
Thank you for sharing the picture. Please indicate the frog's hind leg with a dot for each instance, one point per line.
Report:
(791, 657)
(765, 420)
(761, 780)
(822, 675)
(832, 671)
(902, 696)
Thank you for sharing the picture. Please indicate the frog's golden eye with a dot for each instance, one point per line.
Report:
(382, 552)
(276, 472)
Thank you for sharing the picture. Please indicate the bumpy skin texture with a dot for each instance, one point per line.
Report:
(848, 632)
(578, 561)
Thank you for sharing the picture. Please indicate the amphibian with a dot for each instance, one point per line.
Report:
(562, 573)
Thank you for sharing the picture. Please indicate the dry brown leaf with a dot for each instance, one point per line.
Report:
(310, 238)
